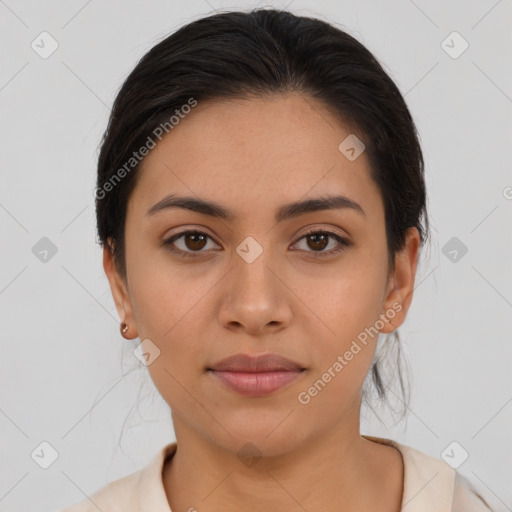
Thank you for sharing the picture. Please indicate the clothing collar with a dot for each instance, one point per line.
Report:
(151, 491)
(428, 481)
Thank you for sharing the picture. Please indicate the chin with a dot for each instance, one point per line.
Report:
(263, 438)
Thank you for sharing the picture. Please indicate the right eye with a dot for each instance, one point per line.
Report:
(193, 242)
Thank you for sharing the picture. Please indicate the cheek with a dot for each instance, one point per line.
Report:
(344, 354)
(347, 308)
(344, 300)
(169, 309)
(164, 293)
(174, 322)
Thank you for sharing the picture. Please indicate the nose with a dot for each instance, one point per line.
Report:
(255, 296)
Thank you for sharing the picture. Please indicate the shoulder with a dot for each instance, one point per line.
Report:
(119, 494)
(130, 493)
(438, 481)
(466, 498)
(431, 484)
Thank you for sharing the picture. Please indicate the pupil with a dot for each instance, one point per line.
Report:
(196, 235)
(315, 241)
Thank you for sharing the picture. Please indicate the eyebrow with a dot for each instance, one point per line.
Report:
(284, 212)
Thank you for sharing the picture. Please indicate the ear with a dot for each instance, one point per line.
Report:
(119, 291)
(400, 286)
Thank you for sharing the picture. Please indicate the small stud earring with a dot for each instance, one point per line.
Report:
(124, 327)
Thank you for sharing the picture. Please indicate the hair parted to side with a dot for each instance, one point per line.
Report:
(263, 52)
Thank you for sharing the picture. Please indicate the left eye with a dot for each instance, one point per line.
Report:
(194, 241)
(320, 239)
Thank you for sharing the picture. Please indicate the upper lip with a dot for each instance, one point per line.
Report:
(255, 363)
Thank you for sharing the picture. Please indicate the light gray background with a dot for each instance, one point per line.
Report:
(67, 375)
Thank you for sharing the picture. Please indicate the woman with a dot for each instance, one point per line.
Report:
(261, 206)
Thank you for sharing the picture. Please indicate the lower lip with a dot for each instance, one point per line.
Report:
(256, 383)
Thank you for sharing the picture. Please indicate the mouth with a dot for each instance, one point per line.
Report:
(256, 375)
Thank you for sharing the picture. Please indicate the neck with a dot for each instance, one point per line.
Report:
(321, 473)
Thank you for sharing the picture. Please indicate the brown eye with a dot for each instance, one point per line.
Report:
(318, 241)
(187, 243)
(195, 241)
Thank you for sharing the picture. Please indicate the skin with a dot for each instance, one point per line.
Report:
(253, 156)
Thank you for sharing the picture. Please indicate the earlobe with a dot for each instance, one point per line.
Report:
(401, 283)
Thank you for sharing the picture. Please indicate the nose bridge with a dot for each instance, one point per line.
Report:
(253, 298)
(252, 261)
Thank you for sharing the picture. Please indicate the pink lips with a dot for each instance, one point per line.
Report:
(256, 375)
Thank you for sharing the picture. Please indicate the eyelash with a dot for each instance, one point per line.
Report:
(344, 243)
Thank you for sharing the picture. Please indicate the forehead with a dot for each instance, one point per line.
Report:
(255, 153)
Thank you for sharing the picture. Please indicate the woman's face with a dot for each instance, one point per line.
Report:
(258, 283)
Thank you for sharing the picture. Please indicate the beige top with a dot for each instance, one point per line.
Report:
(430, 485)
